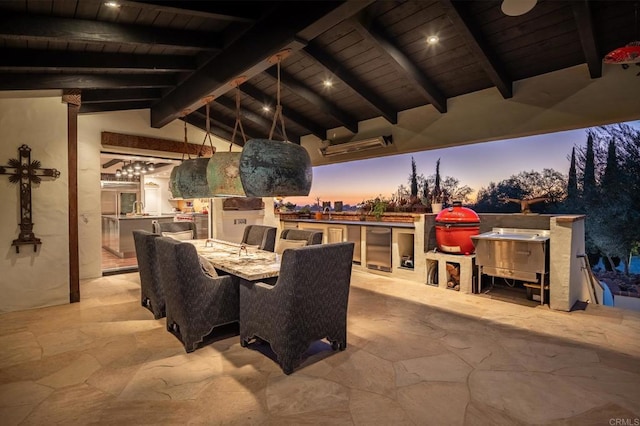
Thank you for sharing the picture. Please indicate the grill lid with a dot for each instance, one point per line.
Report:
(457, 214)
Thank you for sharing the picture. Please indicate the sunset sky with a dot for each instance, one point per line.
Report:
(473, 165)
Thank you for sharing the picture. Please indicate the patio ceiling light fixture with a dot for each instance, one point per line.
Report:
(355, 146)
(517, 7)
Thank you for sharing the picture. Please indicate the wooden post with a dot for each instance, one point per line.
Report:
(73, 100)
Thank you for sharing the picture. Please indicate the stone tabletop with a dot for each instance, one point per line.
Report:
(251, 264)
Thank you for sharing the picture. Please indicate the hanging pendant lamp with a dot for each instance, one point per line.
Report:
(270, 168)
(173, 179)
(190, 177)
(223, 169)
(629, 54)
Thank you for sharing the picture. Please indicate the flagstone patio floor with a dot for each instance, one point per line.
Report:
(416, 355)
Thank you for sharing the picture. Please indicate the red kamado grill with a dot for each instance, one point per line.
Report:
(454, 227)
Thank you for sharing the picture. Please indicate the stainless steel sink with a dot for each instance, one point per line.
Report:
(514, 234)
(513, 253)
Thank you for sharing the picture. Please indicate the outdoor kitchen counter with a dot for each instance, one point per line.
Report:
(380, 247)
(355, 222)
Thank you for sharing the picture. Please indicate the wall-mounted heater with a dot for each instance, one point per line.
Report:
(354, 146)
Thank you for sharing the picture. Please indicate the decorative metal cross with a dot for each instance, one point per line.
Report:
(26, 172)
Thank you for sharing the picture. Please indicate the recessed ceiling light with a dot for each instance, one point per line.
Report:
(517, 7)
(113, 4)
(327, 83)
(266, 108)
(433, 39)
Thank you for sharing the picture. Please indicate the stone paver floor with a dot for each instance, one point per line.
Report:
(416, 355)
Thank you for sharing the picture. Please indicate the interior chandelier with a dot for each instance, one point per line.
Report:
(134, 169)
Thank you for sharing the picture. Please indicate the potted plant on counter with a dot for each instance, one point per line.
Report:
(304, 213)
(287, 211)
(379, 207)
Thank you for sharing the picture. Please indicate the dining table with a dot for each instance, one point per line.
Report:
(242, 260)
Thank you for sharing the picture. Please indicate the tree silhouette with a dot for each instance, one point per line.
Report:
(572, 183)
(611, 176)
(589, 174)
(414, 179)
(612, 226)
(437, 191)
(549, 184)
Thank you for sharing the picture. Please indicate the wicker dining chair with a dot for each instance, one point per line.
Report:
(259, 235)
(151, 292)
(307, 303)
(195, 302)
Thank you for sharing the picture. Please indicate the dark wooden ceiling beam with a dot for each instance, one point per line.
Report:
(111, 162)
(153, 144)
(288, 25)
(25, 81)
(219, 126)
(113, 106)
(584, 23)
(201, 122)
(301, 90)
(215, 120)
(90, 96)
(40, 27)
(259, 120)
(377, 35)
(221, 10)
(288, 113)
(347, 77)
(464, 25)
(94, 61)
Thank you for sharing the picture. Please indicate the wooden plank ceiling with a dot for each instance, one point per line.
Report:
(170, 56)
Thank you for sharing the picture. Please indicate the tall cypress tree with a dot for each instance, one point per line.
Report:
(572, 184)
(611, 175)
(414, 179)
(437, 192)
(589, 177)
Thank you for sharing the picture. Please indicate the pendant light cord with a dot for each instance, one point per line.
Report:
(278, 114)
(238, 123)
(207, 135)
(186, 141)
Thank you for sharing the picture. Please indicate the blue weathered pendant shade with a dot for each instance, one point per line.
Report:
(191, 178)
(223, 175)
(270, 168)
(173, 183)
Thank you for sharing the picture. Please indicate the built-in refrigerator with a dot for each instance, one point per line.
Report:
(379, 248)
(353, 236)
(117, 198)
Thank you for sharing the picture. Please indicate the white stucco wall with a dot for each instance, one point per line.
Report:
(37, 279)
(567, 284)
